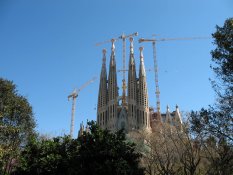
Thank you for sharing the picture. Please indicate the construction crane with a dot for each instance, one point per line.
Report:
(153, 40)
(147, 70)
(123, 37)
(107, 41)
(74, 95)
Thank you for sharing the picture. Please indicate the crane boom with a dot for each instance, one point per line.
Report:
(87, 83)
(107, 41)
(188, 38)
(74, 95)
(171, 39)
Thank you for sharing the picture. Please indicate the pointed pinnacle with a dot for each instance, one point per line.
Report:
(112, 60)
(131, 45)
(168, 108)
(141, 54)
(113, 46)
(104, 56)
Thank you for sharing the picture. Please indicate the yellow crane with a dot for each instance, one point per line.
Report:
(153, 40)
(123, 37)
(74, 95)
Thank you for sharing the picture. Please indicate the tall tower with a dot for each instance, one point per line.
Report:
(103, 95)
(134, 112)
(132, 90)
(112, 92)
(142, 99)
(177, 119)
(168, 119)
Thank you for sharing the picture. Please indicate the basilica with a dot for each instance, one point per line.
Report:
(129, 111)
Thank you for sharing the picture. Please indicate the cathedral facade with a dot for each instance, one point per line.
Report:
(131, 111)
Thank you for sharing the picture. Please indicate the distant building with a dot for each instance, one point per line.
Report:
(131, 111)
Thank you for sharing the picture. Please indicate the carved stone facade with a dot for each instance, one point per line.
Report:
(134, 114)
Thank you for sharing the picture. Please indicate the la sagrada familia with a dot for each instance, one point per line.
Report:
(129, 111)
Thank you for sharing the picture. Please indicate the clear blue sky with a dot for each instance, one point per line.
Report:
(48, 47)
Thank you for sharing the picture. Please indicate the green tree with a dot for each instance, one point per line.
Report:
(222, 56)
(95, 152)
(102, 152)
(16, 124)
(218, 119)
(215, 124)
(48, 156)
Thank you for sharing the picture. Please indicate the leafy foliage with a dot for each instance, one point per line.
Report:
(223, 54)
(215, 125)
(16, 123)
(50, 156)
(95, 152)
(218, 119)
(223, 67)
(102, 152)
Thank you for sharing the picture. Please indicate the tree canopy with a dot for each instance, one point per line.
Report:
(47, 156)
(222, 56)
(215, 124)
(95, 152)
(218, 119)
(16, 123)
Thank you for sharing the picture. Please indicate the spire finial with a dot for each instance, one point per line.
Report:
(142, 71)
(104, 56)
(141, 54)
(104, 51)
(168, 108)
(112, 60)
(131, 44)
(113, 46)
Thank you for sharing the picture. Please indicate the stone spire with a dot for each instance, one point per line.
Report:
(168, 118)
(103, 70)
(112, 59)
(112, 91)
(132, 90)
(102, 98)
(143, 106)
(142, 72)
(177, 118)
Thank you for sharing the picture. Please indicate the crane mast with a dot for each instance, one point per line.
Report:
(123, 37)
(157, 91)
(74, 95)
